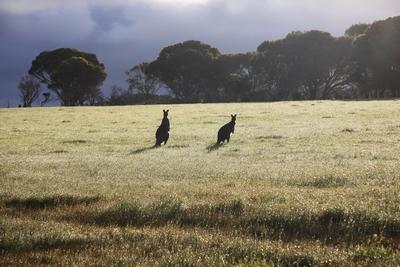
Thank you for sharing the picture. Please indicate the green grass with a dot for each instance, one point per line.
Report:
(305, 184)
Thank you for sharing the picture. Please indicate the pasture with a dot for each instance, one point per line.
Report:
(314, 183)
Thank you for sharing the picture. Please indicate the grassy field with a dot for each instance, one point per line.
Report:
(300, 184)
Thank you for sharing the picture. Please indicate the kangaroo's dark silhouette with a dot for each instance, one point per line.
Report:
(225, 132)
(162, 133)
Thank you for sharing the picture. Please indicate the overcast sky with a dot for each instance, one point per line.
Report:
(125, 32)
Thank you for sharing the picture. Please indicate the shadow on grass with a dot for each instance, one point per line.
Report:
(141, 150)
(213, 147)
(50, 201)
(44, 243)
(329, 225)
(163, 212)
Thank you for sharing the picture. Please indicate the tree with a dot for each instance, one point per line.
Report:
(308, 64)
(46, 98)
(378, 57)
(29, 88)
(116, 95)
(95, 96)
(274, 78)
(356, 30)
(119, 96)
(341, 69)
(235, 76)
(144, 82)
(77, 80)
(69, 73)
(188, 69)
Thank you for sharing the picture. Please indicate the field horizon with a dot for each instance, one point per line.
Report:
(301, 183)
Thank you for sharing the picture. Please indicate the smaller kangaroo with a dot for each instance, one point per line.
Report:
(162, 133)
(225, 132)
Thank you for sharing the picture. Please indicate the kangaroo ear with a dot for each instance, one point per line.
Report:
(163, 110)
(167, 110)
(235, 115)
(232, 116)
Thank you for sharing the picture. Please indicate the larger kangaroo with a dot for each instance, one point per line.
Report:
(162, 133)
(225, 132)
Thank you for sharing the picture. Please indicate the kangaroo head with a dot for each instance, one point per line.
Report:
(165, 113)
(233, 117)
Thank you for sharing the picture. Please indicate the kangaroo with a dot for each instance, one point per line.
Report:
(162, 133)
(225, 132)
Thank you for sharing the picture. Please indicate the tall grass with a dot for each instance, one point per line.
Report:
(310, 184)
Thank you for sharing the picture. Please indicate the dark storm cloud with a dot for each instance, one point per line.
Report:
(107, 18)
(124, 33)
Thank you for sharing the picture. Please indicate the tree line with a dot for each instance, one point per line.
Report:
(362, 64)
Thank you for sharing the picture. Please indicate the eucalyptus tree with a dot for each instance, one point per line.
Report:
(71, 74)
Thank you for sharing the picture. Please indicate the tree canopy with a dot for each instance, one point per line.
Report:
(188, 69)
(356, 30)
(377, 53)
(141, 80)
(303, 65)
(307, 65)
(71, 74)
